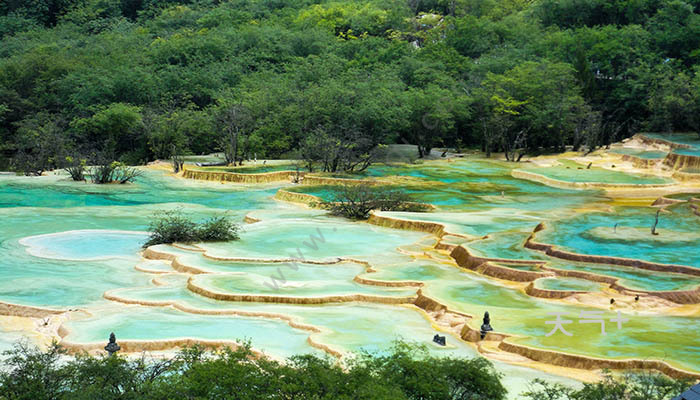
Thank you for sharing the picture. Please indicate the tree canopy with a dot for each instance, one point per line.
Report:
(143, 79)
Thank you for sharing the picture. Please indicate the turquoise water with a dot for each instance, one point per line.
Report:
(633, 278)
(66, 244)
(85, 244)
(688, 139)
(298, 281)
(152, 188)
(641, 153)
(311, 240)
(579, 173)
(522, 267)
(473, 185)
(671, 247)
(505, 245)
(145, 323)
(574, 284)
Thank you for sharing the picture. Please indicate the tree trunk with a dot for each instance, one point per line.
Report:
(235, 146)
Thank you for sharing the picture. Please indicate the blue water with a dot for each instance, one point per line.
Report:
(572, 234)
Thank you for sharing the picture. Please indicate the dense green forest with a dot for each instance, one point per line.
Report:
(137, 80)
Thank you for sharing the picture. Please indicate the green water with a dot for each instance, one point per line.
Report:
(298, 281)
(311, 240)
(253, 169)
(573, 172)
(469, 184)
(143, 323)
(688, 139)
(641, 153)
(670, 247)
(574, 284)
(633, 278)
(66, 244)
(505, 245)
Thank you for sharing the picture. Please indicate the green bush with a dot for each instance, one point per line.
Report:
(217, 229)
(195, 373)
(172, 226)
(356, 201)
(114, 172)
(405, 372)
(629, 386)
(76, 168)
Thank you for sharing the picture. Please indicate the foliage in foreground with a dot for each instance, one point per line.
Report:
(356, 201)
(405, 373)
(630, 386)
(173, 226)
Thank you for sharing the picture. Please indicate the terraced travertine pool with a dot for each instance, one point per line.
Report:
(573, 172)
(641, 153)
(301, 281)
(690, 142)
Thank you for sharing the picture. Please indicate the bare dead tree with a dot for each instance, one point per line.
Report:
(656, 222)
(178, 161)
(234, 120)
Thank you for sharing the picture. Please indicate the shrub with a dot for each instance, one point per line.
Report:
(630, 386)
(218, 229)
(123, 173)
(172, 226)
(196, 373)
(406, 372)
(115, 171)
(76, 168)
(356, 201)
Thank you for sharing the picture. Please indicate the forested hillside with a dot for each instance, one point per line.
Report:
(136, 80)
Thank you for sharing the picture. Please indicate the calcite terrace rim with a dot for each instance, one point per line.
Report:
(179, 266)
(488, 266)
(560, 184)
(554, 251)
(683, 296)
(34, 251)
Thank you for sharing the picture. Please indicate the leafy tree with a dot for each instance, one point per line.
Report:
(405, 372)
(347, 19)
(117, 127)
(142, 78)
(536, 105)
(676, 31)
(425, 377)
(32, 373)
(43, 145)
(430, 118)
(674, 103)
(171, 227)
(217, 229)
(630, 386)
